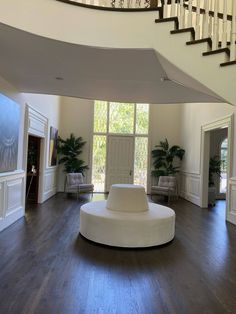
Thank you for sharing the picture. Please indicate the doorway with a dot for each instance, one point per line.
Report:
(224, 127)
(120, 160)
(120, 144)
(33, 164)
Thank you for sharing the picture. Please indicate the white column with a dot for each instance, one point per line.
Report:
(224, 26)
(198, 27)
(190, 13)
(215, 38)
(181, 14)
(206, 20)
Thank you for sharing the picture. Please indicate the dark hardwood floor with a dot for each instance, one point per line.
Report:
(47, 267)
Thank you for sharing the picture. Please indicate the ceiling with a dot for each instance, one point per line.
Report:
(35, 64)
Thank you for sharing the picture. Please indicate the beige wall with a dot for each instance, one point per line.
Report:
(165, 123)
(192, 118)
(76, 118)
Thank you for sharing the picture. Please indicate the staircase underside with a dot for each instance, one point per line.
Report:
(36, 64)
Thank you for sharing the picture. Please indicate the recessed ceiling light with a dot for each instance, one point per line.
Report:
(59, 78)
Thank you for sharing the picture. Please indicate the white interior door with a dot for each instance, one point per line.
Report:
(120, 160)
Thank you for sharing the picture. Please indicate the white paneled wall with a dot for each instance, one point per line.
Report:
(50, 183)
(190, 187)
(11, 198)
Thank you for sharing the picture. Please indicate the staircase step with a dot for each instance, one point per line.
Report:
(185, 30)
(199, 41)
(213, 52)
(169, 19)
(224, 64)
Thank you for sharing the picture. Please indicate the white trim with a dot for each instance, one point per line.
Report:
(190, 187)
(225, 122)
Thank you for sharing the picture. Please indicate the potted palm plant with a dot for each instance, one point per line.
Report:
(214, 170)
(69, 150)
(164, 157)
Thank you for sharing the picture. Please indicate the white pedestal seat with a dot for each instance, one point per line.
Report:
(150, 225)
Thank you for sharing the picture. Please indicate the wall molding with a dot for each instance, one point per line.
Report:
(224, 122)
(190, 187)
(50, 184)
(12, 189)
(38, 125)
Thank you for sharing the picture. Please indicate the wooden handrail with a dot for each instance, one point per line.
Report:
(119, 9)
(153, 6)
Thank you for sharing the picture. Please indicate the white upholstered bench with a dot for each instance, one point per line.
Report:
(126, 219)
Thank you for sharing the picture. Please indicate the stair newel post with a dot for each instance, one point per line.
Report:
(190, 13)
(233, 33)
(198, 16)
(215, 39)
(205, 26)
(224, 26)
(181, 14)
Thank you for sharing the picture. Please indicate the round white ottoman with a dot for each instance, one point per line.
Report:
(126, 219)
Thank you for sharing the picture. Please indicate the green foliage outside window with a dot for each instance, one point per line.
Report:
(121, 118)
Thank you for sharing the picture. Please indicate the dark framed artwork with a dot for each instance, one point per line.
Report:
(53, 146)
(9, 133)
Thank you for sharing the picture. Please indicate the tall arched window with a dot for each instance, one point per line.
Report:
(224, 158)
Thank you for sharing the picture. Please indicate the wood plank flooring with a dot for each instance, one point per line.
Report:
(46, 267)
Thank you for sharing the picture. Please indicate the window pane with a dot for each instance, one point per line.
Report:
(100, 116)
(142, 118)
(140, 161)
(121, 118)
(99, 162)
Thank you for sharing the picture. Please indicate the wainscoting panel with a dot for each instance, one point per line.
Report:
(11, 198)
(190, 187)
(14, 190)
(231, 212)
(1, 200)
(50, 184)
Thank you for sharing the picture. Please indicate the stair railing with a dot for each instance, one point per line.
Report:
(215, 19)
(125, 5)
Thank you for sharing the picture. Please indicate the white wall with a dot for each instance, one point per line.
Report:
(47, 105)
(12, 200)
(193, 118)
(12, 184)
